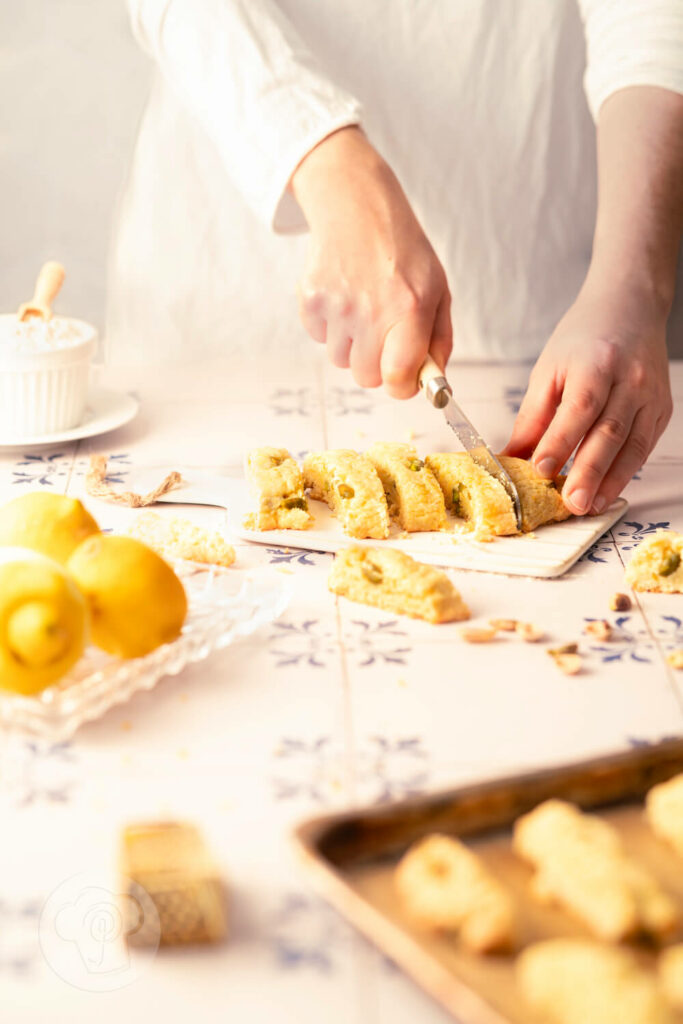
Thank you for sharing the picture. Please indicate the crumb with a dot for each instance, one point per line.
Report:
(620, 603)
(410, 435)
(531, 535)
(284, 571)
(570, 664)
(675, 659)
(402, 682)
(506, 625)
(529, 632)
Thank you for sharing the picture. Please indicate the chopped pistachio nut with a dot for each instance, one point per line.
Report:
(474, 635)
(600, 629)
(457, 491)
(669, 564)
(556, 652)
(295, 503)
(570, 664)
(416, 465)
(529, 632)
(372, 572)
(506, 625)
(345, 491)
(620, 603)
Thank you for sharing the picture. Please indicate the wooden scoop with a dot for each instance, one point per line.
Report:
(50, 280)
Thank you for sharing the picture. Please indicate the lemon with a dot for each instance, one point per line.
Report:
(43, 621)
(50, 523)
(136, 600)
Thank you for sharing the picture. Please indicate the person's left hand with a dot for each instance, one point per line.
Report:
(601, 382)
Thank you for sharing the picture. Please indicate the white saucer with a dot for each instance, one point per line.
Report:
(106, 410)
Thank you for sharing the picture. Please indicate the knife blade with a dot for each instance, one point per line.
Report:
(438, 391)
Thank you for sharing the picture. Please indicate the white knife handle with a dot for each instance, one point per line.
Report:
(434, 384)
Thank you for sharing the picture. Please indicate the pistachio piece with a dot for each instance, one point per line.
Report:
(372, 572)
(455, 496)
(570, 664)
(476, 635)
(345, 491)
(416, 465)
(600, 629)
(529, 632)
(274, 461)
(295, 503)
(620, 603)
(675, 659)
(556, 652)
(506, 625)
(669, 565)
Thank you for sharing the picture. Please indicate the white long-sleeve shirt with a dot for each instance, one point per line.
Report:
(478, 106)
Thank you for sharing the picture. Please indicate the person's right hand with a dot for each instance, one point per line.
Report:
(374, 291)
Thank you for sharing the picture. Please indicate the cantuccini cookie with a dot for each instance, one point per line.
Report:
(444, 886)
(413, 494)
(578, 981)
(670, 970)
(349, 484)
(278, 487)
(664, 811)
(173, 537)
(390, 579)
(474, 495)
(657, 563)
(582, 866)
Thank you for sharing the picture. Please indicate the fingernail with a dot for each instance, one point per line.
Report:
(599, 503)
(580, 500)
(546, 467)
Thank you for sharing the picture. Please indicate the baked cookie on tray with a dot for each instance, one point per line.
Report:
(664, 811)
(473, 494)
(277, 485)
(349, 484)
(578, 981)
(657, 563)
(581, 865)
(443, 885)
(390, 579)
(413, 495)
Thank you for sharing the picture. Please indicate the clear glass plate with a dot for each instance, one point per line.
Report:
(224, 604)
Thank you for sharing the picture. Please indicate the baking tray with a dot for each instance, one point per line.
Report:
(350, 858)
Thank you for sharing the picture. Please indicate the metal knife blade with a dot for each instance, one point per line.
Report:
(439, 393)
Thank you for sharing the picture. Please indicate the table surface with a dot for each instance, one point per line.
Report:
(333, 704)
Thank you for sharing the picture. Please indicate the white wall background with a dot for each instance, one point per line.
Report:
(72, 87)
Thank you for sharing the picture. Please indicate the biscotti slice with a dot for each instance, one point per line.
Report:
(582, 866)
(414, 496)
(173, 537)
(664, 811)
(446, 887)
(277, 484)
(168, 865)
(670, 970)
(578, 981)
(390, 579)
(657, 563)
(349, 484)
(473, 494)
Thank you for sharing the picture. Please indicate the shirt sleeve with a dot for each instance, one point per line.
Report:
(631, 42)
(241, 69)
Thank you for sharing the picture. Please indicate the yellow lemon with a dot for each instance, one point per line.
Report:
(136, 600)
(43, 621)
(50, 523)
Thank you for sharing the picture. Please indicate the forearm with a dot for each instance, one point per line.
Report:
(640, 194)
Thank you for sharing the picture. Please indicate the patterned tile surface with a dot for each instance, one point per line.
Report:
(334, 703)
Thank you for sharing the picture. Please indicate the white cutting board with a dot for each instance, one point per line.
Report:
(550, 552)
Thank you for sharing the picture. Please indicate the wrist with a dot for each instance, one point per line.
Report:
(630, 284)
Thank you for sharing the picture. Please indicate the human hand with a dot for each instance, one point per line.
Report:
(373, 290)
(601, 382)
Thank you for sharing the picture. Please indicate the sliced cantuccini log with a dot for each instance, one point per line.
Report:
(414, 496)
(278, 488)
(349, 484)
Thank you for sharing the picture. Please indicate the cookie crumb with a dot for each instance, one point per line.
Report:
(529, 632)
(675, 659)
(505, 625)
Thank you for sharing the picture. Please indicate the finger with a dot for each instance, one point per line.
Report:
(405, 349)
(583, 399)
(632, 456)
(599, 449)
(441, 343)
(311, 314)
(339, 350)
(365, 357)
(534, 416)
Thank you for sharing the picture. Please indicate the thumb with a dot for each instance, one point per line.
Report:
(405, 349)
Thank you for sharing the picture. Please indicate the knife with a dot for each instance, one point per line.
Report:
(439, 393)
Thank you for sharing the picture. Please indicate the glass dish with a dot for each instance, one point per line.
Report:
(224, 604)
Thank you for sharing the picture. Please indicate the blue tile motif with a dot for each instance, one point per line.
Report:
(307, 934)
(292, 556)
(35, 771)
(293, 401)
(20, 952)
(48, 470)
(311, 643)
(635, 643)
(629, 534)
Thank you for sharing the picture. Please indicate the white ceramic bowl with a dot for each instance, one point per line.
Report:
(44, 374)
